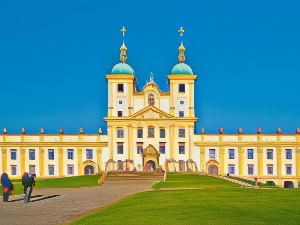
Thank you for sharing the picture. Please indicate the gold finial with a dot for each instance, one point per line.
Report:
(81, 131)
(123, 31)
(4, 131)
(181, 49)
(42, 131)
(100, 131)
(123, 49)
(181, 31)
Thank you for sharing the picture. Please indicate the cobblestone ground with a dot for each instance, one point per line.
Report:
(57, 206)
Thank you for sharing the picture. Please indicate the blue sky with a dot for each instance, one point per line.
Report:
(54, 55)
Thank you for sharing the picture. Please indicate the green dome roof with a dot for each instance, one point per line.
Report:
(122, 68)
(182, 68)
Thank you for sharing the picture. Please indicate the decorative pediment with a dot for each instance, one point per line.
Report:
(151, 112)
(151, 86)
(150, 151)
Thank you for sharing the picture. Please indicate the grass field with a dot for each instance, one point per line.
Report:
(65, 182)
(192, 181)
(218, 202)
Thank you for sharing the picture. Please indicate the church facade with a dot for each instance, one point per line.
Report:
(149, 129)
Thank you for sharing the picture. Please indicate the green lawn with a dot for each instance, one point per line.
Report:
(65, 182)
(219, 202)
(192, 181)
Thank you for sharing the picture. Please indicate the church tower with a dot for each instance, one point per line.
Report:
(181, 85)
(121, 85)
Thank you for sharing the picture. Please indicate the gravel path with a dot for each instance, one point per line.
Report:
(56, 206)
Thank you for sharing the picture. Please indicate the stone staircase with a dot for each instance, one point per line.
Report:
(244, 184)
(117, 176)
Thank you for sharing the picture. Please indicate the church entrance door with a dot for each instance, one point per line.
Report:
(150, 158)
(213, 170)
(88, 170)
(150, 166)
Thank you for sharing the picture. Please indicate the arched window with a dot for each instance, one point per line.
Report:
(151, 100)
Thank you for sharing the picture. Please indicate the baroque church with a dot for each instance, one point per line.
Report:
(149, 130)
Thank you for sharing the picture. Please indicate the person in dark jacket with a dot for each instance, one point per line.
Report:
(7, 187)
(28, 182)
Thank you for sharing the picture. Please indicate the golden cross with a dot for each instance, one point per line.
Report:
(181, 31)
(123, 31)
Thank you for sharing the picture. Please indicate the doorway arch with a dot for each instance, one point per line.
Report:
(213, 170)
(150, 166)
(288, 184)
(89, 170)
(150, 158)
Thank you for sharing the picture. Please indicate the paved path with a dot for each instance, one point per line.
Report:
(56, 206)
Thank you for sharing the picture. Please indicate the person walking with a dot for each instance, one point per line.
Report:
(7, 187)
(28, 182)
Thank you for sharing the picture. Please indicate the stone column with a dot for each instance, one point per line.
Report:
(99, 158)
(41, 161)
(241, 160)
(79, 161)
(202, 159)
(172, 142)
(298, 162)
(222, 161)
(110, 141)
(22, 161)
(260, 161)
(61, 161)
(130, 143)
(4, 159)
(279, 161)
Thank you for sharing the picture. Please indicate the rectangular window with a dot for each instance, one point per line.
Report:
(181, 88)
(269, 153)
(212, 153)
(181, 148)
(139, 147)
(121, 88)
(51, 154)
(162, 133)
(140, 132)
(270, 169)
(181, 132)
(162, 147)
(231, 169)
(181, 102)
(231, 153)
(250, 153)
(120, 148)
(250, 169)
(13, 169)
(150, 132)
(31, 169)
(51, 170)
(120, 113)
(288, 153)
(120, 133)
(70, 154)
(288, 169)
(70, 170)
(120, 102)
(13, 154)
(31, 154)
(89, 153)
(181, 113)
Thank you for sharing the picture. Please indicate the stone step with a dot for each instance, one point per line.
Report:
(237, 181)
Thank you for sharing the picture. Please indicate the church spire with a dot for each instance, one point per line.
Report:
(181, 49)
(123, 49)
